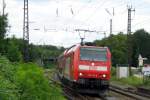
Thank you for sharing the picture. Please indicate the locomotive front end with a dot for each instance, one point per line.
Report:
(94, 67)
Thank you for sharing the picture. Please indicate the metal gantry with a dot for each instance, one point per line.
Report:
(4, 7)
(129, 40)
(111, 19)
(26, 31)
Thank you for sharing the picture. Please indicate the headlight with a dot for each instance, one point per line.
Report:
(104, 75)
(80, 74)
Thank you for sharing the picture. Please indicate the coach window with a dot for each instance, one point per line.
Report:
(67, 65)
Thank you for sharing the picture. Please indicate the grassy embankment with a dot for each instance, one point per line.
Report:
(132, 80)
(19, 81)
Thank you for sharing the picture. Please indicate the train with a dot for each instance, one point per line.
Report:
(85, 68)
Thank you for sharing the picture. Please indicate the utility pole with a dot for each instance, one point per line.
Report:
(129, 40)
(110, 26)
(129, 19)
(4, 6)
(26, 32)
(111, 15)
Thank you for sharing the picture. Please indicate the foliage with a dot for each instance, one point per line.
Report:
(49, 65)
(113, 71)
(133, 81)
(3, 29)
(56, 88)
(7, 69)
(31, 83)
(146, 80)
(42, 53)
(25, 82)
(13, 52)
(7, 86)
(3, 26)
(45, 51)
(141, 43)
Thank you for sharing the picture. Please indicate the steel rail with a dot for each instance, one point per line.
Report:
(128, 93)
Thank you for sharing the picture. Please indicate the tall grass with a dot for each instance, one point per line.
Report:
(132, 80)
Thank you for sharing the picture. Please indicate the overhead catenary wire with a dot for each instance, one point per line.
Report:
(121, 4)
(147, 21)
(82, 8)
(76, 14)
(96, 9)
(87, 19)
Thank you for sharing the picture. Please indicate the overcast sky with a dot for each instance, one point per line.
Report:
(57, 19)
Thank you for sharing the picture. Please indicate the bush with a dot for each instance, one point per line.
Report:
(113, 71)
(25, 82)
(7, 87)
(13, 53)
(33, 85)
(7, 69)
(7, 90)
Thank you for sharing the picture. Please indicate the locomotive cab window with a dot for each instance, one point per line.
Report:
(93, 54)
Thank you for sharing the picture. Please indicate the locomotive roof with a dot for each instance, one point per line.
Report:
(74, 47)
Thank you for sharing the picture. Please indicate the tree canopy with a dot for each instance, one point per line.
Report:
(139, 43)
(3, 30)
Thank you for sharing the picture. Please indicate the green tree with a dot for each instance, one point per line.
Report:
(141, 43)
(14, 49)
(3, 30)
(13, 53)
(3, 26)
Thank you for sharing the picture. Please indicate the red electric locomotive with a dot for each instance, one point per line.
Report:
(86, 68)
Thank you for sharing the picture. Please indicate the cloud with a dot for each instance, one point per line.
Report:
(87, 14)
(147, 1)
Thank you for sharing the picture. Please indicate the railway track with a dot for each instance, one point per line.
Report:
(72, 94)
(143, 91)
(133, 94)
(68, 92)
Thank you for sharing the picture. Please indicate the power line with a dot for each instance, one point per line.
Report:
(142, 22)
(91, 31)
(91, 15)
(81, 8)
